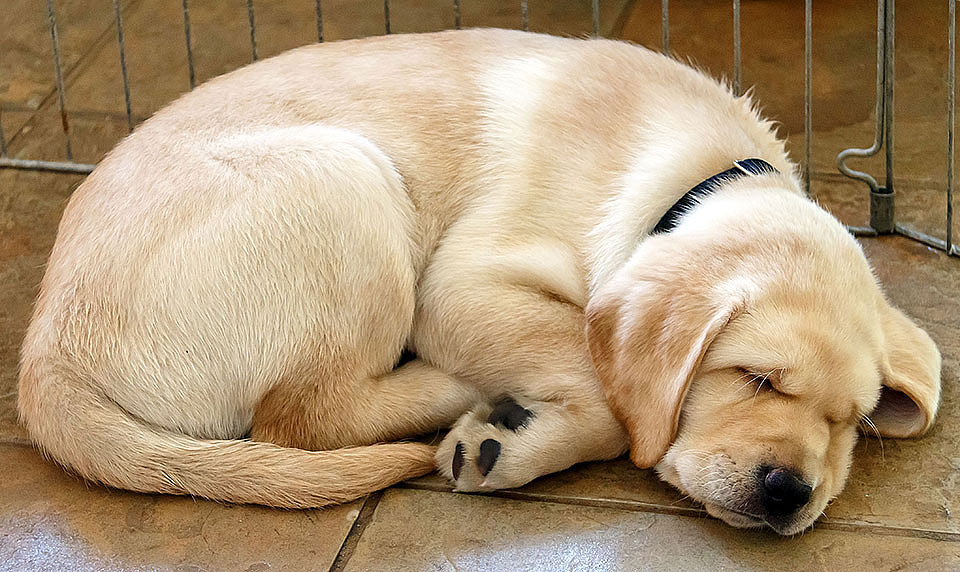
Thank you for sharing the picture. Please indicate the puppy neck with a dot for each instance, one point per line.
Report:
(656, 180)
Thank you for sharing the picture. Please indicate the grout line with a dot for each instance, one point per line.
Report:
(635, 506)
(639, 506)
(887, 530)
(356, 531)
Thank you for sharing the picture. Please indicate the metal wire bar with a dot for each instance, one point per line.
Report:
(861, 230)
(807, 90)
(524, 16)
(186, 33)
(595, 7)
(123, 63)
(951, 91)
(888, 85)
(253, 30)
(55, 37)
(736, 47)
(665, 26)
(878, 112)
(456, 14)
(386, 17)
(55, 166)
(319, 23)
(3, 138)
(927, 239)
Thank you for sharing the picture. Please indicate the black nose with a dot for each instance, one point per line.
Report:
(784, 491)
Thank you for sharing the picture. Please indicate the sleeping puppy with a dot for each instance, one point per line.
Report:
(587, 247)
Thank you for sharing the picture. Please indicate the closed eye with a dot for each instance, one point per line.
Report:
(760, 382)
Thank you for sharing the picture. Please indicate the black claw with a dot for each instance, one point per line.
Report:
(457, 460)
(489, 451)
(508, 413)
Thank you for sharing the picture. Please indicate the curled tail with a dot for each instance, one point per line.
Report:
(90, 434)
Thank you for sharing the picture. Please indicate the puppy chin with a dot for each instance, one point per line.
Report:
(734, 519)
(740, 520)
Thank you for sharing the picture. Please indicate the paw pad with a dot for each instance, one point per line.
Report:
(458, 460)
(510, 414)
(475, 446)
(489, 451)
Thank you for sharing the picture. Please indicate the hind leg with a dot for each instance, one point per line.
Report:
(341, 233)
(414, 399)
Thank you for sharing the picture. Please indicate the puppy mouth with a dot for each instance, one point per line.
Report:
(743, 519)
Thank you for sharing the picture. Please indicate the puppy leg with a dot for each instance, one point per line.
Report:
(414, 399)
(527, 343)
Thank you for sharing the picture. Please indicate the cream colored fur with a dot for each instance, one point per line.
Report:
(253, 259)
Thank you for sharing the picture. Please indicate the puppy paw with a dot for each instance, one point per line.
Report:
(485, 449)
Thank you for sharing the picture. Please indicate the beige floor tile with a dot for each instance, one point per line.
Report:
(461, 532)
(921, 205)
(30, 208)
(52, 521)
(26, 66)
(844, 76)
(13, 121)
(91, 136)
(157, 61)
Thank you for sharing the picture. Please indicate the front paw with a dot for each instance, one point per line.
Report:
(485, 449)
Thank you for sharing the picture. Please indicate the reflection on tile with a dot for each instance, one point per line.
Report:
(463, 532)
(52, 521)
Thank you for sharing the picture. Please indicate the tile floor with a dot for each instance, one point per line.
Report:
(900, 510)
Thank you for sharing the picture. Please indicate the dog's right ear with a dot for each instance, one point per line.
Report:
(648, 332)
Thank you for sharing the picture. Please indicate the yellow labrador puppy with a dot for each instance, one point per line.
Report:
(585, 246)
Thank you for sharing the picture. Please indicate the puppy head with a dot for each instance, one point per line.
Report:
(742, 357)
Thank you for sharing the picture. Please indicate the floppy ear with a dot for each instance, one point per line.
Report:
(647, 336)
(911, 377)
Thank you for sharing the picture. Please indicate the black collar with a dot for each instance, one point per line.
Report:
(741, 168)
